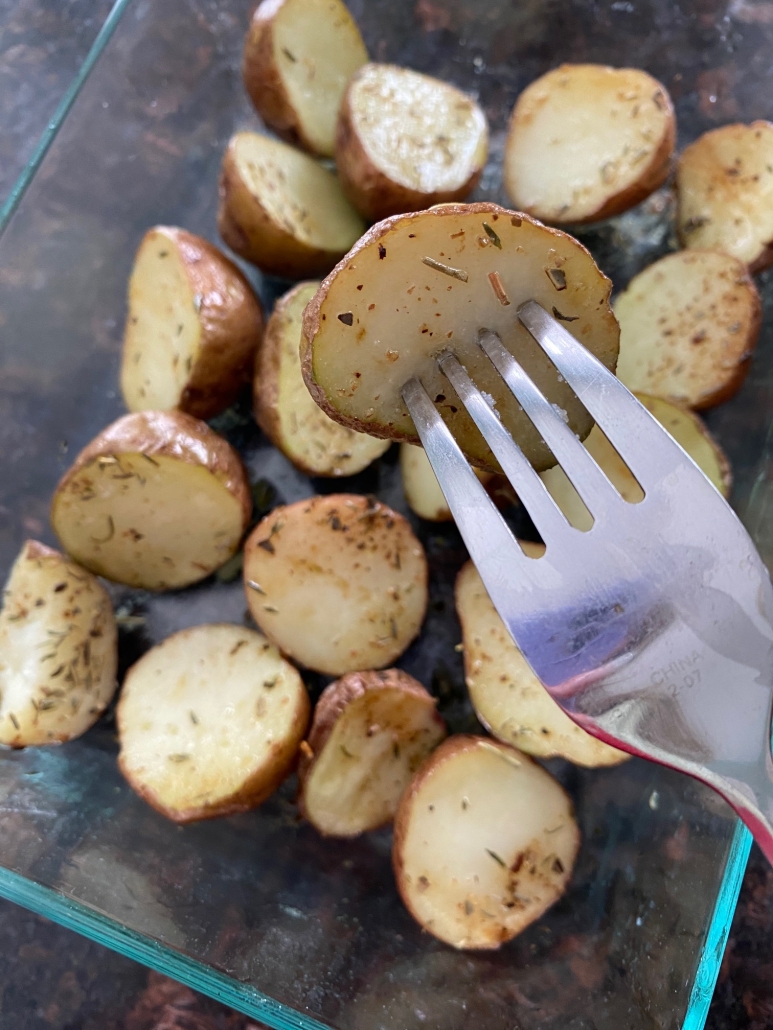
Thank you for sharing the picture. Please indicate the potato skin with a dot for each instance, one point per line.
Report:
(263, 82)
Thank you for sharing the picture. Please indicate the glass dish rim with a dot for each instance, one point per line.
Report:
(89, 922)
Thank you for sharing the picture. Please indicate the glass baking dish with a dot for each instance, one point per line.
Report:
(257, 910)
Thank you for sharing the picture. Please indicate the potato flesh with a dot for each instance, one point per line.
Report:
(147, 521)
(205, 714)
(506, 695)
(374, 748)
(162, 330)
(58, 650)
(418, 131)
(725, 191)
(580, 136)
(407, 312)
(687, 322)
(487, 845)
(317, 49)
(298, 194)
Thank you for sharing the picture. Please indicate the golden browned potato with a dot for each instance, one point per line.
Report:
(484, 843)
(339, 583)
(157, 500)
(371, 732)
(58, 649)
(724, 184)
(507, 697)
(281, 210)
(406, 141)
(587, 141)
(418, 284)
(286, 411)
(298, 57)
(209, 722)
(688, 325)
(192, 327)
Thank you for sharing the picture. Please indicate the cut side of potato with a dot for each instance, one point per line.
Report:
(406, 141)
(507, 697)
(209, 722)
(688, 325)
(339, 583)
(58, 649)
(286, 411)
(484, 843)
(157, 500)
(724, 185)
(421, 487)
(281, 210)
(587, 141)
(419, 284)
(192, 327)
(371, 732)
(298, 57)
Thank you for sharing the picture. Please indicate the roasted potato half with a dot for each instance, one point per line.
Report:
(157, 500)
(371, 732)
(339, 582)
(209, 722)
(286, 411)
(58, 649)
(688, 325)
(419, 284)
(406, 141)
(192, 327)
(724, 184)
(507, 697)
(587, 141)
(281, 210)
(298, 57)
(484, 842)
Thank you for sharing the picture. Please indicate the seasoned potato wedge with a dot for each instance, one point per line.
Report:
(58, 649)
(587, 141)
(406, 141)
(209, 722)
(688, 325)
(286, 411)
(418, 284)
(724, 184)
(421, 487)
(192, 328)
(371, 732)
(687, 428)
(298, 57)
(507, 697)
(280, 209)
(339, 583)
(484, 842)
(157, 500)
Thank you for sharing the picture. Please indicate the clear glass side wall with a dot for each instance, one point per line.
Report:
(259, 905)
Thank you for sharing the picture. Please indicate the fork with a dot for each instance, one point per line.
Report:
(654, 629)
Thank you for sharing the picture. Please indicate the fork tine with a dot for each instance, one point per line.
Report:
(647, 449)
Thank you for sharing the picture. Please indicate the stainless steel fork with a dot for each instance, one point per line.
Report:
(654, 629)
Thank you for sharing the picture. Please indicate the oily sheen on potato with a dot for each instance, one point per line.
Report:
(507, 697)
(688, 325)
(298, 57)
(192, 327)
(406, 141)
(724, 183)
(419, 284)
(58, 649)
(339, 582)
(371, 732)
(209, 722)
(157, 500)
(484, 842)
(587, 141)
(286, 411)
